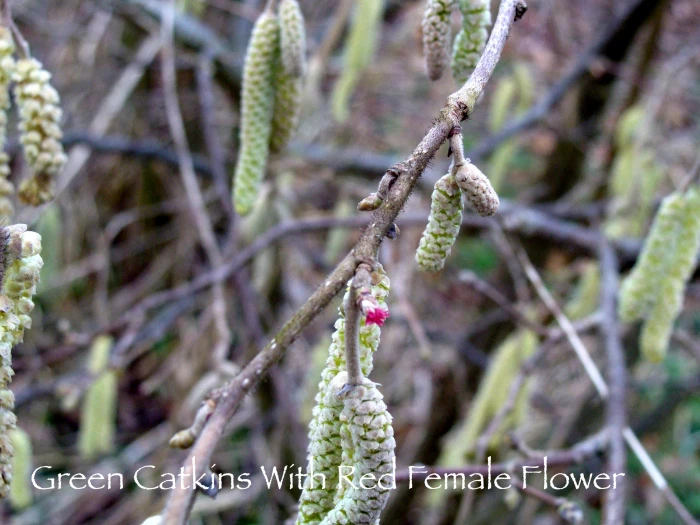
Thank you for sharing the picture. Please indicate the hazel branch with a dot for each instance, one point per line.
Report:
(405, 175)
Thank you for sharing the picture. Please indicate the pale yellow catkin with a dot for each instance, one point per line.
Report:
(437, 33)
(7, 69)
(40, 130)
(98, 411)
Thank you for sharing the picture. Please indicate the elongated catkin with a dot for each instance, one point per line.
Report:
(443, 226)
(257, 105)
(437, 34)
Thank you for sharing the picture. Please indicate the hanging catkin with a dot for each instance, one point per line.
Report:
(359, 50)
(325, 448)
(7, 69)
(638, 290)
(437, 35)
(257, 105)
(443, 226)
(477, 189)
(289, 73)
(670, 285)
(367, 442)
(21, 263)
(470, 41)
(40, 130)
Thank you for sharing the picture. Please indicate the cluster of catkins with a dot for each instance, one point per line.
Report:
(39, 125)
(349, 429)
(446, 207)
(271, 100)
(468, 44)
(655, 288)
(21, 263)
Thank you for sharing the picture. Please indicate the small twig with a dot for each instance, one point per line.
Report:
(474, 281)
(352, 334)
(616, 420)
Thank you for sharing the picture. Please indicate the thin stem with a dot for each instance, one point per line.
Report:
(404, 177)
(352, 337)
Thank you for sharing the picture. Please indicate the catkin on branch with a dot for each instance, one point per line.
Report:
(292, 38)
(40, 130)
(470, 41)
(325, 450)
(367, 441)
(358, 53)
(437, 35)
(658, 327)
(444, 222)
(638, 290)
(478, 190)
(21, 264)
(257, 109)
(7, 69)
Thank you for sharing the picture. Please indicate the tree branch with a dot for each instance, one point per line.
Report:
(405, 174)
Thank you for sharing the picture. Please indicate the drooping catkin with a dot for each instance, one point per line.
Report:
(21, 263)
(670, 290)
(443, 226)
(325, 448)
(289, 72)
(504, 366)
(358, 52)
(7, 69)
(477, 189)
(40, 130)
(470, 41)
(437, 36)
(21, 488)
(292, 38)
(98, 410)
(367, 441)
(257, 103)
(638, 290)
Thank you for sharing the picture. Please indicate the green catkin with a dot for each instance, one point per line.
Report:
(7, 69)
(470, 41)
(367, 441)
(504, 366)
(586, 296)
(98, 410)
(358, 53)
(21, 488)
(288, 75)
(658, 327)
(292, 38)
(477, 189)
(325, 447)
(257, 102)
(22, 264)
(443, 226)
(638, 290)
(437, 34)
(40, 130)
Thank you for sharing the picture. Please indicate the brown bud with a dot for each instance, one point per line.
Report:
(370, 203)
(478, 189)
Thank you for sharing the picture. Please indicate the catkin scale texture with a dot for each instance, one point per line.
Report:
(325, 453)
(443, 226)
(477, 189)
(7, 69)
(285, 120)
(367, 440)
(40, 131)
(292, 38)
(658, 327)
(437, 33)
(257, 109)
(638, 290)
(470, 41)
(22, 264)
